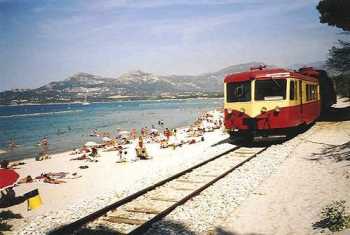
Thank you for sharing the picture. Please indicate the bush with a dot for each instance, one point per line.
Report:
(334, 216)
(342, 85)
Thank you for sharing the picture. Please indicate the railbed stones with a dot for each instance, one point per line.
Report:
(200, 214)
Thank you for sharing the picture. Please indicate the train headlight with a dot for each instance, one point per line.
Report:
(242, 110)
(229, 111)
(263, 109)
(277, 109)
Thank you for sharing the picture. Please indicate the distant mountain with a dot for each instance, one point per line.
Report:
(316, 65)
(132, 85)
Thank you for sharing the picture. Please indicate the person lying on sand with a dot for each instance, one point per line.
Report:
(163, 143)
(48, 178)
(57, 175)
(5, 164)
(42, 157)
(27, 179)
(194, 140)
(14, 164)
(82, 157)
(83, 149)
(93, 153)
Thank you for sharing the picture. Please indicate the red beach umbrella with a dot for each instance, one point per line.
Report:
(8, 178)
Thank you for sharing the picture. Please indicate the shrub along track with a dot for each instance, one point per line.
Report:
(137, 212)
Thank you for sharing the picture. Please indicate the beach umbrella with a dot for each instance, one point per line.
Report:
(106, 139)
(124, 133)
(8, 178)
(90, 144)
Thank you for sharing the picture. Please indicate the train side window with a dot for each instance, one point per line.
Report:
(314, 92)
(292, 90)
(311, 92)
(308, 93)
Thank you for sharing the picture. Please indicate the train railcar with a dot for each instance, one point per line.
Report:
(327, 91)
(271, 102)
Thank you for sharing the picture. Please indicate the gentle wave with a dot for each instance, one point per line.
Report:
(41, 114)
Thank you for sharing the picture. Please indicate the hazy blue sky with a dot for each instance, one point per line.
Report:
(48, 40)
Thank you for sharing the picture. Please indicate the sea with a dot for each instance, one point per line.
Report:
(68, 126)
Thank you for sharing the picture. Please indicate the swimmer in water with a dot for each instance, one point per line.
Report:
(12, 144)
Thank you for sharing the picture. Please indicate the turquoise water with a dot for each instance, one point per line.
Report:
(68, 125)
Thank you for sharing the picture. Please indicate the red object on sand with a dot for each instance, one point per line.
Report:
(8, 178)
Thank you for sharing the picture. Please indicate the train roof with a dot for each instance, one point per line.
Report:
(261, 73)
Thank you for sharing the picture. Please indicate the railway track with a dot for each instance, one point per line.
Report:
(137, 212)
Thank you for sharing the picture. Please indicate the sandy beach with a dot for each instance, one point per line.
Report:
(104, 181)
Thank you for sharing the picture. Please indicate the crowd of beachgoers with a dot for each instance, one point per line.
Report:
(125, 146)
(132, 145)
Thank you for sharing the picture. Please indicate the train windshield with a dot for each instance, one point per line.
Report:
(238, 91)
(272, 89)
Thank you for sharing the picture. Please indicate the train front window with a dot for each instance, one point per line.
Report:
(271, 89)
(238, 91)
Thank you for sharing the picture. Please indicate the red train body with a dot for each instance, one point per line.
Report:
(267, 101)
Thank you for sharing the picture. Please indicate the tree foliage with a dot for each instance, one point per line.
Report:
(335, 13)
(339, 57)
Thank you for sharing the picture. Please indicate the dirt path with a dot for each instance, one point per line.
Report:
(290, 201)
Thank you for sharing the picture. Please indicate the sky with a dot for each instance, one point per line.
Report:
(49, 40)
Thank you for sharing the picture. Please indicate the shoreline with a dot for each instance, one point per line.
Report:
(89, 189)
(112, 101)
(79, 134)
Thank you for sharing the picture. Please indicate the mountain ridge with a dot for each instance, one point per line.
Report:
(136, 83)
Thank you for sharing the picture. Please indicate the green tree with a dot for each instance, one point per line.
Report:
(337, 13)
(339, 57)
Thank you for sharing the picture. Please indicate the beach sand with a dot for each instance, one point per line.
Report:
(106, 176)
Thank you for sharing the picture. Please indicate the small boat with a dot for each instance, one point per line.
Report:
(85, 101)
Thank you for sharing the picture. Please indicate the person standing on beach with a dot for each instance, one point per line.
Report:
(167, 133)
(174, 132)
(133, 133)
(44, 143)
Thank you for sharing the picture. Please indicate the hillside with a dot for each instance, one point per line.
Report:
(131, 85)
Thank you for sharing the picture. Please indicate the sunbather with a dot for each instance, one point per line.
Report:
(27, 179)
(82, 157)
(50, 180)
(141, 151)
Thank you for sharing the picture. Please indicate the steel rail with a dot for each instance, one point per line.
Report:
(70, 228)
(144, 227)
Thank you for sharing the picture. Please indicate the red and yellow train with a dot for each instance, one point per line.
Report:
(272, 102)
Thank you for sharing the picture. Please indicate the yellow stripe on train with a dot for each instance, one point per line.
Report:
(254, 107)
